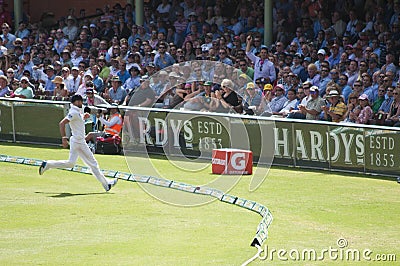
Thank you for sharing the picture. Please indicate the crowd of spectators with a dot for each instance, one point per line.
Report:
(329, 60)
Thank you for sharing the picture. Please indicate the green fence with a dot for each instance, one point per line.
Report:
(31, 121)
(307, 144)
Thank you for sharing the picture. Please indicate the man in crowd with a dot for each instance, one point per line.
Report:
(115, 94)
(263, 68)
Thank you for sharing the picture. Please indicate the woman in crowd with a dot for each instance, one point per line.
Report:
(365, 110)
(228, 97)
(394, 112)
(188, 51)
(353, 108)
(59, 90)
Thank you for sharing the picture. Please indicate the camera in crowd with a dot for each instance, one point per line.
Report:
(96, 110)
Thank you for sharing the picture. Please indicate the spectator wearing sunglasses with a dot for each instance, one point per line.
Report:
(262, 66)
(24, 91)
(163, 59)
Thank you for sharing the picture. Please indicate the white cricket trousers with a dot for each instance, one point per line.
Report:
(82, 150)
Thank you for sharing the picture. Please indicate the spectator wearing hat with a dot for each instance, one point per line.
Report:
(73, 81)
(66, 58)
(336, 110)
(296, 66)
(242, 82)
(267, 94)
(260, 83)
(131, 61)
(13, 86)
(208, 37)
(92, 98)
(278, 101)
(200, 99)
(24, 91)
(365, 112)
(192, 20)
(314, 106)
(49, 85)
(334, 58)
(65, 73)
(115, 94)
(4, 89)
(83, 86)
(10, 73)
(59, 90)
(321, 58)
(70, 30)
(94, 32)
(17, 42)
(107, 31)
(57, 68)
(27, 74)
(252, 99)
(112, 126)
(262, 66)
(133, 81)
(104, 69)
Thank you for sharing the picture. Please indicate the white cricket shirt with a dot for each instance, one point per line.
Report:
(77, 123)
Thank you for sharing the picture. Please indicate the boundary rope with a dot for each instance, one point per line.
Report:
(262, 228)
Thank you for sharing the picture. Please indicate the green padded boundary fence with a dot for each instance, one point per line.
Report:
(262, 229)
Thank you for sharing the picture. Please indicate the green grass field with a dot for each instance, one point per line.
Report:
(65, 218)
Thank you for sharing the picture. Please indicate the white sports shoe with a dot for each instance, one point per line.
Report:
(42, 168)
(111, 184)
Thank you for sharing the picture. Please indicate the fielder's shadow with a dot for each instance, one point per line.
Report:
(66, 194)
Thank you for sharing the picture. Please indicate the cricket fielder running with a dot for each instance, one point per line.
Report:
(78, 145)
